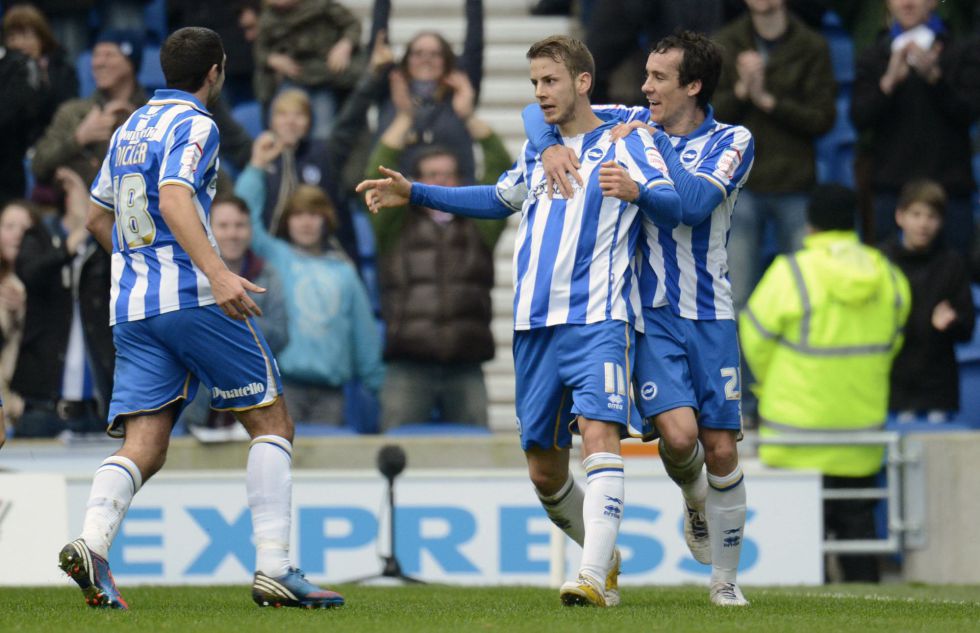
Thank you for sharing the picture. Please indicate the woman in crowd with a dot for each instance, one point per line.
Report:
(55, 80)
(15, 219)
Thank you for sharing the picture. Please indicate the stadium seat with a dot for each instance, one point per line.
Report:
(438, 428)
(151, 75)
(155, 18)
(835, 149)
(249, 116)
(83, 68)
(968, 357)
(841, 48)
(304, 429)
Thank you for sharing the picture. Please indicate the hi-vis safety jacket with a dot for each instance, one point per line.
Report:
(819, 334)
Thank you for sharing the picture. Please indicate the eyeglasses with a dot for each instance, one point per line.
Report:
(425, 54)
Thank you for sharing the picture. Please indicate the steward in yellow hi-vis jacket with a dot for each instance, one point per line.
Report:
(819, 334)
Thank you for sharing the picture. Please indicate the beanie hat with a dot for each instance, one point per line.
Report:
(130, 43)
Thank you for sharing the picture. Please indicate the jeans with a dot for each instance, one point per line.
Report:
(753, 212)
(957, 225)
(314, 404)
(413, 390)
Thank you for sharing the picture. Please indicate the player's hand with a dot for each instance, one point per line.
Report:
(231, 294)
(392, 191)
(558, 161)
(622, 130)
(284, 65)
(265, 149)
(943, 316)
(464, 97)
(338, 59)
(615, 182)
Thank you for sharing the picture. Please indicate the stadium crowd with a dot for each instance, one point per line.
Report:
(393, 313)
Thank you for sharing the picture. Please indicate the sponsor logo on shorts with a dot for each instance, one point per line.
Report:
(649, 390)
(250, 389)
(616, 402)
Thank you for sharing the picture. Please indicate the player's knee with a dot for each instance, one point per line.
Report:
(679, 444)
(547, 481)
(721, 456)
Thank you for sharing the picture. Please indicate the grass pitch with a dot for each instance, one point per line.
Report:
(832, 609)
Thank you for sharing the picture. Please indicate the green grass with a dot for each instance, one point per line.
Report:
(833, 609)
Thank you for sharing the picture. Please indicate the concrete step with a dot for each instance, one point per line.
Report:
(502, 363)
(515, 8)
(522, 30)
(502, 418)
(500, 387)
(503, 301)
(505, 120)
(503, 331)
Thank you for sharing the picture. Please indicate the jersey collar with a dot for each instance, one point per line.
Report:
(168, 96)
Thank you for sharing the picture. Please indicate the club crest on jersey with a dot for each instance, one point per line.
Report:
(595, 153)
(689, 155)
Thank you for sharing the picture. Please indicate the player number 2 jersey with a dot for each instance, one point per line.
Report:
(172, 140)
(573, 260)
(687, 267)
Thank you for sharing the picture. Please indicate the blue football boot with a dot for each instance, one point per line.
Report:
(292, 589)
(92, 574)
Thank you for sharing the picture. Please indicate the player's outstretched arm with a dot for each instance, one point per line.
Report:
(230, 291)
(479, 201)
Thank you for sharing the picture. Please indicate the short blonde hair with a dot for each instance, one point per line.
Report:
(292, 98)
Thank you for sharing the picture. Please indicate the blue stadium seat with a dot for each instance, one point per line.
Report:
(249, 116)
(155, 18)
(321, 430)
(151, 75)
(968, 357)
(835, 149)
(83, 67)
(438, 428)
(841, 48)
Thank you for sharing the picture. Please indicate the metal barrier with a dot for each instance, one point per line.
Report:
(904, 488)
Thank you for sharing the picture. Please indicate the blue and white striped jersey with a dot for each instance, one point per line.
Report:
(687, 268)
(170, 140)
(573, 260)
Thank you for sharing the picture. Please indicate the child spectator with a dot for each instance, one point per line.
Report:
(333, 336)
(925, 376)
(307, 43)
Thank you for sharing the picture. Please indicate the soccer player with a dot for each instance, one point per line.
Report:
(576, 299)
(687, 362)
(180, 316)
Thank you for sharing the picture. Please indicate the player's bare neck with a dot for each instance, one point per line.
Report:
(582, 121)
(686, 122)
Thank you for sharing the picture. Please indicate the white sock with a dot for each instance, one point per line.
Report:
(564, 508)
(602, 512)
(269, 484)
(726, 522)
(688, 473)
(113, 487)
